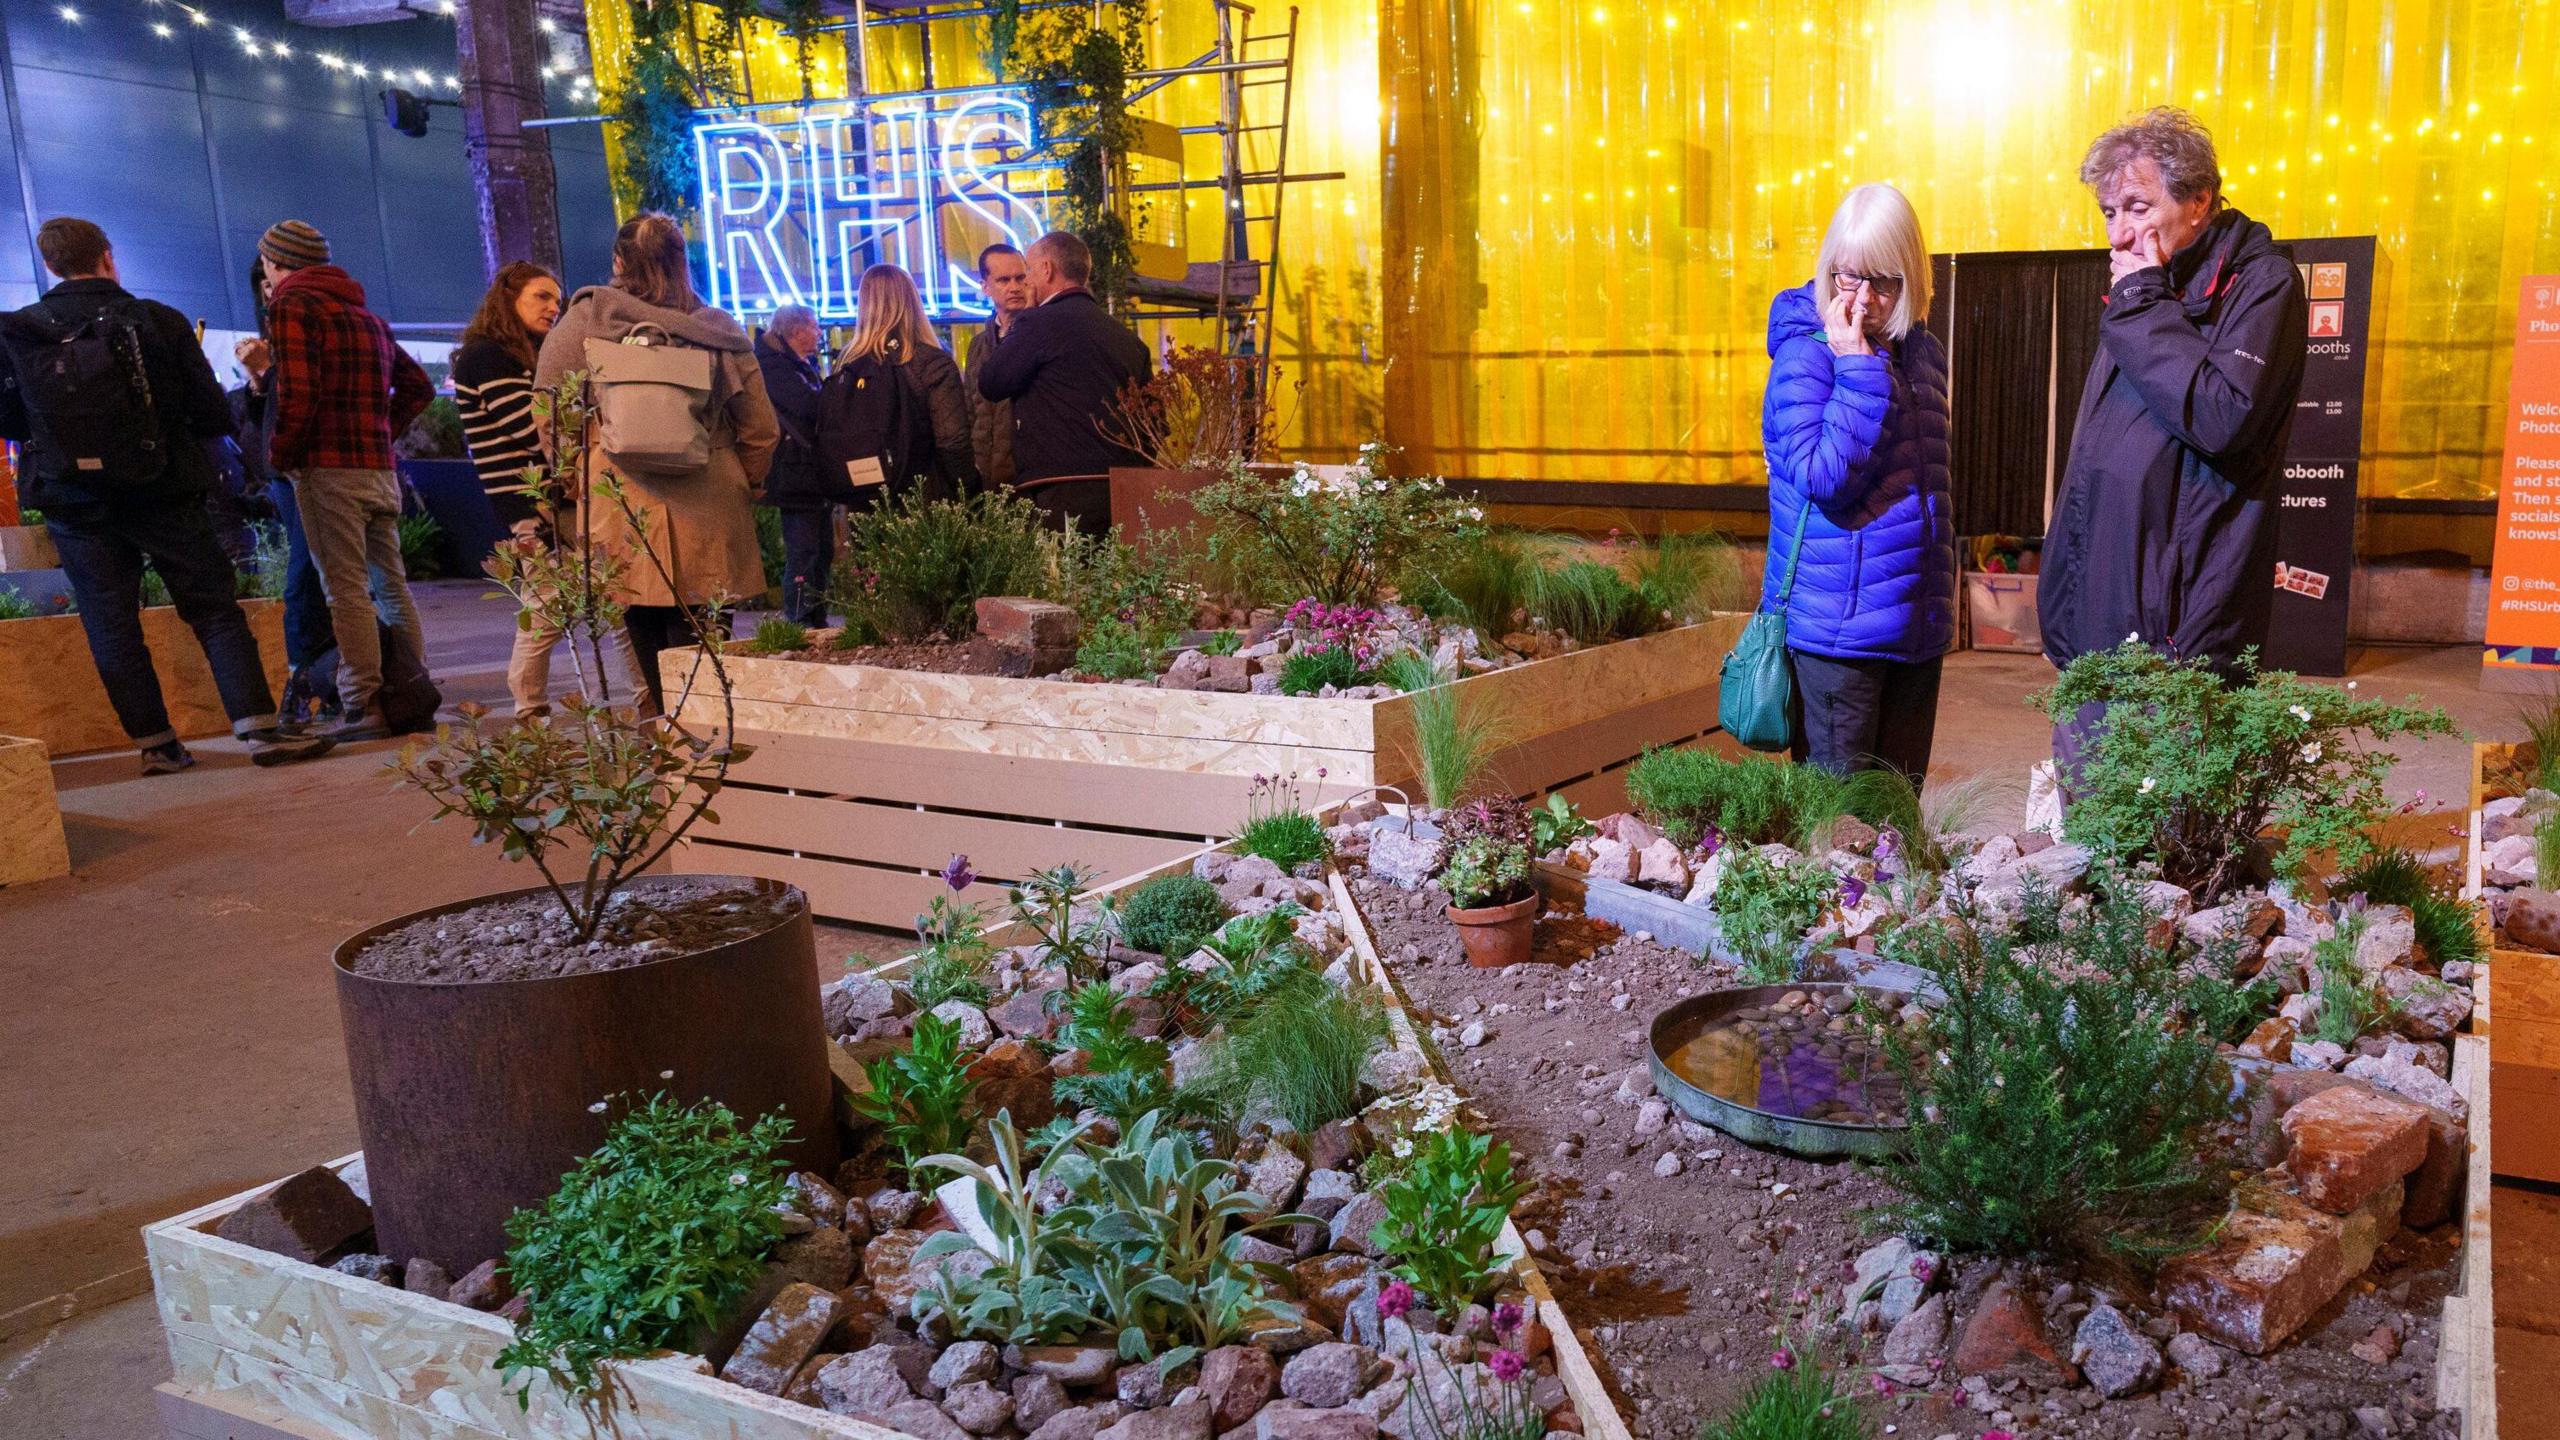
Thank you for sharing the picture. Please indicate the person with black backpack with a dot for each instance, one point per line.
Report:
(113, 401)
(894, 413)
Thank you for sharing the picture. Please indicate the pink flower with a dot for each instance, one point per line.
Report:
(1924, 1268)
(1396, 1301)
(1883, 1386)
(1781, 1360)
(1998, 1435)
(1507, 1365)
(1508, 1318)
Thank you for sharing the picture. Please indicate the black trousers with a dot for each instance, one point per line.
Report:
(1074, 504)
(1867, 714)
(808, 562)
(661, 627)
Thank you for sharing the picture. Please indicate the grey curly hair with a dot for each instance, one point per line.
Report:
(2170, 138)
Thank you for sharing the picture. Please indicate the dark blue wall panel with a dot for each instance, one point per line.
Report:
(187, 148)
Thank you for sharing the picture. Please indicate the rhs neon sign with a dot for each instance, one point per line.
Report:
(793, 214)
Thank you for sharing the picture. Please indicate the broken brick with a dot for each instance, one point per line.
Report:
(2349, 1142)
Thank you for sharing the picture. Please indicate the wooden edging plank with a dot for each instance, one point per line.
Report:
(1582, 1379)
(2466, 1359)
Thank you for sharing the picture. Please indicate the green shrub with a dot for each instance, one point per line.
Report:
(915, 566)
(1277, 826)
(14, 606)
(770, 550)
(1765, 909)
(1758, 799)
(1689, 577)
(1557, 824)
(2187, 769)
(1125, 1073)
(1444, 1211)
(421, 548)
(2348, 1005)
(1116, 650)
(655, 1236)
(922, 1099)
(779, 635)
(1170, 914)
(2063, 1097)
(1300, 1060)
(1305, 672)
(1483, 586)
(1338, 541)
(1106, 579)
(1222, 642)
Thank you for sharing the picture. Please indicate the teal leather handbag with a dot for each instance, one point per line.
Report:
(1756, 700)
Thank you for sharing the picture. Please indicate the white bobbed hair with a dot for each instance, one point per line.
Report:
(1876, 232)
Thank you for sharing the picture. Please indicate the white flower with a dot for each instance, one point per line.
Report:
(596, 1109)
(1473, 512)
(737, 1177)
(2149, 784)
(2311, 753)
(666, 1074)
(2351, 684)
(2299, 712)
(1303, 486)
(2133, 637)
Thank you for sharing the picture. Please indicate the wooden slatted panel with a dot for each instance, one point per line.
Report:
(898, 835)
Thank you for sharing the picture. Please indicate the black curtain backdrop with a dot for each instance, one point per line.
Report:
(2080, 289)
(2001, 355)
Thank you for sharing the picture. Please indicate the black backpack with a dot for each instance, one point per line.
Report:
(88, 395)
(869, 407)
(408, 697)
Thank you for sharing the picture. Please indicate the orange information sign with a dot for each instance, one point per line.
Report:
(2524, 568)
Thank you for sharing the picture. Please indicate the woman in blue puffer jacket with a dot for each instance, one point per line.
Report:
(1855, 427)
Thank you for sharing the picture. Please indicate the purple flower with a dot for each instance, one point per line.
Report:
(1709, 842)
(1507, 1365)
(1782, 1360)
(957, 874)
(1852, 890)
(1924, 1268)
(1396, 1301)
(1883, 1386)
(1508, 1318)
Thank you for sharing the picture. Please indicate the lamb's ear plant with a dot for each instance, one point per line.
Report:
(1026, 1297)
(595, 795)
(650, 1239)
(922, 1099)
(1445, 1209)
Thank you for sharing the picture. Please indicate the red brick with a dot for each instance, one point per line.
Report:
(2274, 1267)
(2435, 1187)
(1017, 623)
(2349, 1143)
(782, 1339)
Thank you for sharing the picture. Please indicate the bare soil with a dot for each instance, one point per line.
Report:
(529, 937)
(945, 657)
(1683, 1276)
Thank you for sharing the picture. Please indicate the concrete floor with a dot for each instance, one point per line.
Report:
(171, 1035)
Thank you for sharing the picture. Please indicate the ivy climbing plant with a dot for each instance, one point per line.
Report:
(683, 60)
(1076, 68)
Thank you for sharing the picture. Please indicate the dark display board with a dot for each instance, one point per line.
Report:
(2315, 500)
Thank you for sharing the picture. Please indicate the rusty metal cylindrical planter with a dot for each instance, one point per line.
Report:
(474, 1099)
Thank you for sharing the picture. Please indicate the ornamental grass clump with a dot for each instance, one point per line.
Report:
(654, 1237)
(1455, 731)
(1799, 1396)
(1445, 1208)
(777, 635)
(1758, 800)
(1299, 1056)
(2447, 924)
(1277, 826)
(2065, 1092)
(2204, 776)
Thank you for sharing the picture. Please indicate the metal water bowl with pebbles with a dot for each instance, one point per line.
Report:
(1790, 1066)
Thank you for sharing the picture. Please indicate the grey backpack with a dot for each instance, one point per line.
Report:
(653, 401)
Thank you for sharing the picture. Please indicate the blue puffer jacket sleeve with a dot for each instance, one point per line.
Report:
(1862, 441)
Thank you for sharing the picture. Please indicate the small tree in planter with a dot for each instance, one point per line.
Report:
(1202, 410)
(479, 1033)
(1336, 541)
(1491, 900)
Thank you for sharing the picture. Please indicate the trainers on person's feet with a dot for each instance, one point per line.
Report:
(166, 759)
(285, 744)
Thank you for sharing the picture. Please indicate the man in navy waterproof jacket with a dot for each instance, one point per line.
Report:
(2163, 531)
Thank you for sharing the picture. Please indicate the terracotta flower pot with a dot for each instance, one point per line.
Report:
(1497, 935)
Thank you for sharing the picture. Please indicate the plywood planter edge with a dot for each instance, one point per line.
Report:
(31, 841)
(866, 780)
(50, 691)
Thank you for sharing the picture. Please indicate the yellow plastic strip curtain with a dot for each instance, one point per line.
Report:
(1590, 205)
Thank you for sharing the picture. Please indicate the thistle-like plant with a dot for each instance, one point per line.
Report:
(1045, 904)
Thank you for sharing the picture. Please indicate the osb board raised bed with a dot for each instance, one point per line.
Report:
(2520, 1013)
(50, 691)
(865, 780)
(268, 1348)
(31, 843)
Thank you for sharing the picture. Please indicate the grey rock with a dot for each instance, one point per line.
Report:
(1186, 1421)
(922, 1419)
(1901, 1296)
(1081, 1423)
(978, 1407)
(1919, 1336)
(1401, 860)
(1075, 1365)
(974, 1027)
(2117, 1358)
(1037, 1399)
(1141, 1386)
(812, 1196)
(965, 1361)
(2195, 1355)
(1274, 1177)
(1025, 1013)
(1328, 1376)
(1277, 1423)
(381, 1269)
(857, 1000)
(1327, 1191)
(866, 1382)
(1355, 1225)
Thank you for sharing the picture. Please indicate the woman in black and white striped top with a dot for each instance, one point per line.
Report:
(493, 384)
(493, 388)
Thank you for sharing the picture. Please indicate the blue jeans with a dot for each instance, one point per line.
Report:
(308, 634)
(103, 550)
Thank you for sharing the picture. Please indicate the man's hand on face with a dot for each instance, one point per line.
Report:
(2146, 251)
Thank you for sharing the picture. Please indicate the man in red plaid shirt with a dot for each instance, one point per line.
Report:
(343, 389)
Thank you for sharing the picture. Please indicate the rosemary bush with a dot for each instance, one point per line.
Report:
(1339, 541)
(915, 566)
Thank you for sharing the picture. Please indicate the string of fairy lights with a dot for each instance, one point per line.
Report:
(171, 20)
